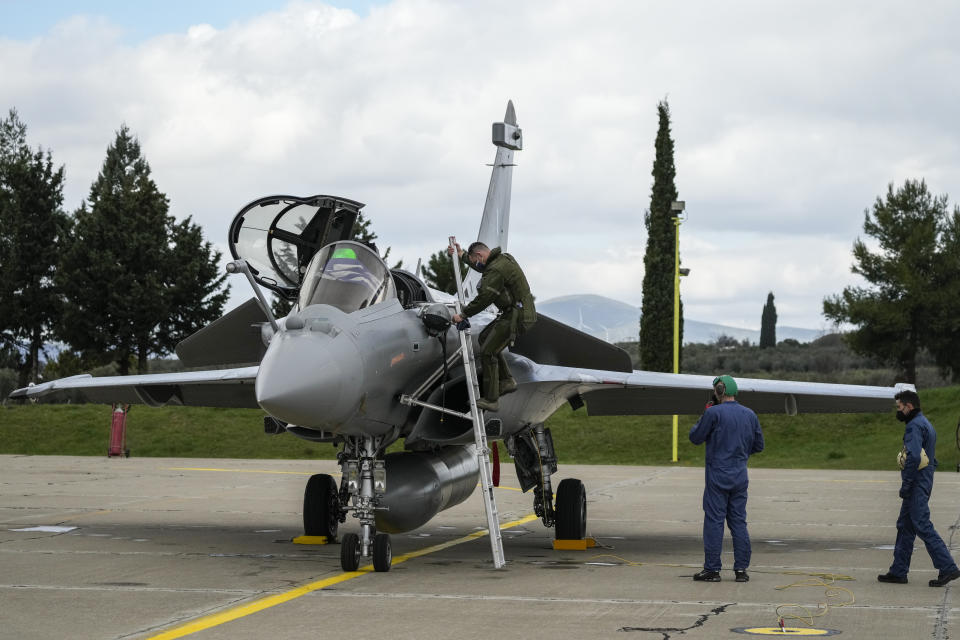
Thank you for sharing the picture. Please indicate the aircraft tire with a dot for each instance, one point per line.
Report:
(571, 510)
(350, 552)
(382, 552)
(321, 507)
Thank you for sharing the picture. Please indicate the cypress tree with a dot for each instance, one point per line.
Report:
(768, 324)
(135, 281)
(32, 227)
(656, 320)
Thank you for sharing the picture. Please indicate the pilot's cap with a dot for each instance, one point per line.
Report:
(729, 385)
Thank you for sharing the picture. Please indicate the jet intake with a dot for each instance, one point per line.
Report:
(420, 485)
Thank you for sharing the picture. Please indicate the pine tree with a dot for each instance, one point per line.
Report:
(135, 281)
(438, 273)
(914, 300)
(768, 324)
(32, 228)
(195, 292)
(656, 319)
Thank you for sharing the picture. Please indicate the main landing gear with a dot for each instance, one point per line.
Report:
(362, 486)
(536, 461)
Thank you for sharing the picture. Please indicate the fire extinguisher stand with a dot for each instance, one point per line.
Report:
(118, 432)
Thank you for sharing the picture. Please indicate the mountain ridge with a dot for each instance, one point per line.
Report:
(616, 321)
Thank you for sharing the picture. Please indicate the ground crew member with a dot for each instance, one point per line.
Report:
(504, 285)
(732, 433)
(916, 484)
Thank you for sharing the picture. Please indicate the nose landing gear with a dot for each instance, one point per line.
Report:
(364, 484)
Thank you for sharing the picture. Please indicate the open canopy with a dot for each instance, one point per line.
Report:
(279, 235)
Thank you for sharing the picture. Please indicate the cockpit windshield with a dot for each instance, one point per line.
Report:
(346, 275)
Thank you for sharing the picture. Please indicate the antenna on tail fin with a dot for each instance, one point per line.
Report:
(495, 225)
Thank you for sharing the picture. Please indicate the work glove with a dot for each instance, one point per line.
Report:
(905, 490)
(463, 325)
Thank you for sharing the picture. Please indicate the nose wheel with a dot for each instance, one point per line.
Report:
(350, 552)
(382, 552)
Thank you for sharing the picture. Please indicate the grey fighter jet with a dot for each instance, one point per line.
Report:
(361, 336)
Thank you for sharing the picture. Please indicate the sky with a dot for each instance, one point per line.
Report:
(789, 120)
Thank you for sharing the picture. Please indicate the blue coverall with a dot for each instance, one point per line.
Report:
(732, 433)
(916, 486)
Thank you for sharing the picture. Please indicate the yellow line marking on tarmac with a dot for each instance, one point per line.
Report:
(242, 611)
(296, 473)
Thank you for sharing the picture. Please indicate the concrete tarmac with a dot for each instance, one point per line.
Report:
(156, 544)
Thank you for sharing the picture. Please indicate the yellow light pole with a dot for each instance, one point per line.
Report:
(677, 207)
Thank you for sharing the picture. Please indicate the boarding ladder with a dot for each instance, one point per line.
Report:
(476, 416)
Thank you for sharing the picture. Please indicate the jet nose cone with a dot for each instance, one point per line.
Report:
(310, 379)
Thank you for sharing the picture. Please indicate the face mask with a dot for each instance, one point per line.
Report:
(901, 416)
(480, 266)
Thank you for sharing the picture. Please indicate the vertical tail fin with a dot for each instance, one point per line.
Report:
(495, 225)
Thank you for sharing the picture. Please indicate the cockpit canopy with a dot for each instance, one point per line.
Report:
(346, 275)
(279, 235)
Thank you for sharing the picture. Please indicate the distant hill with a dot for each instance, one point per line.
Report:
(616, 321)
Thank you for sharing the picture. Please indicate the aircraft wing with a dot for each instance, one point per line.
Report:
(217, 388)
(614, 393)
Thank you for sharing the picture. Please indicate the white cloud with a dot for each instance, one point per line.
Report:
(788, 121)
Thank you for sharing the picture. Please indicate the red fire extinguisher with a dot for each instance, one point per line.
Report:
(118, 432)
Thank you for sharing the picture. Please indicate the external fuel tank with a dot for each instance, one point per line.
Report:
(422, 484)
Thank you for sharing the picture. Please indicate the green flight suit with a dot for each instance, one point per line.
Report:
(503, 285)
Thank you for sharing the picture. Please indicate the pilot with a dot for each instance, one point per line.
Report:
(504, 285)
(916, 484)
(732, 433)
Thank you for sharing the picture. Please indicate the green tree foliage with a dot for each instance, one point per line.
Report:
(768, 324)
(195, 291)
(656, 319)
(438, 273)
(32, 228)
(914, 298)
(135, 281)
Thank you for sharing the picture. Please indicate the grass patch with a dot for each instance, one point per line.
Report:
(812, 441)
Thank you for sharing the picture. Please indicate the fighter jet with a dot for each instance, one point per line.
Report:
(361, 336)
